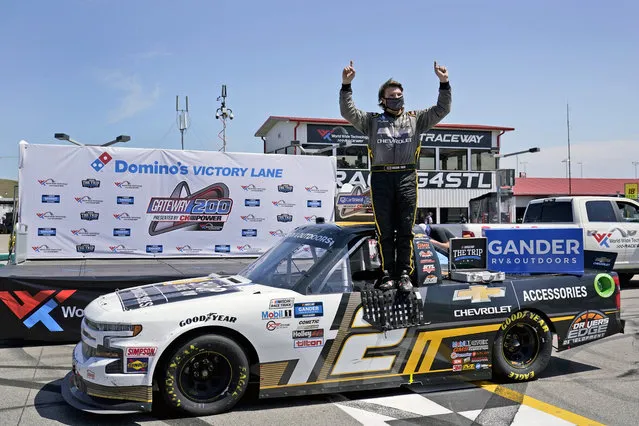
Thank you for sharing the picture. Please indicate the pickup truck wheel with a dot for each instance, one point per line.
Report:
(522, 348)
(207, 375)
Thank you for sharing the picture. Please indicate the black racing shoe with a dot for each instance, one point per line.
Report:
(405, 284)
(385, 282)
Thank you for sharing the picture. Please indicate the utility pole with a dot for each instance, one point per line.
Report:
(569, 165)
(183, 117)
(223, 113)
(581, 169)
(634, 163)
(524, 163)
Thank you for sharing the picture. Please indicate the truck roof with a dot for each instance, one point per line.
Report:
(570, 198)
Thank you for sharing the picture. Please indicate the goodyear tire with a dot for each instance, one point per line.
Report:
(522, 348)
(207, 375)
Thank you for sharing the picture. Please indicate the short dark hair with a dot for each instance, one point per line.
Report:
(388, 83)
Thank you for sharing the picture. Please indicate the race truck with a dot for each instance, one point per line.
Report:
(304, 318)
(609, 224)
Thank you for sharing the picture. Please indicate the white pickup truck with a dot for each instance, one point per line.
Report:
(609, 224)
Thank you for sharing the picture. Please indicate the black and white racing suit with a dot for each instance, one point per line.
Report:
(393, 151)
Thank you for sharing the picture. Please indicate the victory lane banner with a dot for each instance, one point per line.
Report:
(97, 202)
(539, 250)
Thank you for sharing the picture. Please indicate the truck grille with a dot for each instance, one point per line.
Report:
(128, 393)
(88, 351)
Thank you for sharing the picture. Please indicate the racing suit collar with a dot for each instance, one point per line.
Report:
(393, 113)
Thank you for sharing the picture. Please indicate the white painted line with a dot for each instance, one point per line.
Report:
(528, 416)
(366, 417)
(412, 403)
(471, 414)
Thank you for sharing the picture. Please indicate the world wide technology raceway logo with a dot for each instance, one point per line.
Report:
(34, 309)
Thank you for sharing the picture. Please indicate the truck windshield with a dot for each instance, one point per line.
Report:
(292, 258)
(549, 212)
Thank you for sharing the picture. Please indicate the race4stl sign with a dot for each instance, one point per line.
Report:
(537, 250)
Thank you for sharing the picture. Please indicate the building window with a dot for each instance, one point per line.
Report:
(352, 157)
(316, 149)
(482, 160)
(453, 159)
(453, 215)
(427, 159)
(286, 150)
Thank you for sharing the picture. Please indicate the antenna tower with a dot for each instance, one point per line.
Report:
(182, 117)
(223, 113)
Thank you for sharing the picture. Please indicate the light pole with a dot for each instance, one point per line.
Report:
(499, 183)
(581, 169)
(526, 151)
(524, 163)
(634, 163)
(566, 161)
(65, 137)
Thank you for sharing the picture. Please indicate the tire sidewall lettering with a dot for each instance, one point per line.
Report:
(518, 316)
(517, 376)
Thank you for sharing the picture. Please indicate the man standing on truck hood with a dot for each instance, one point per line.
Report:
(393, 150)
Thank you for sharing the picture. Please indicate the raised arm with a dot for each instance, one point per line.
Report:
(359, 119)
(427, 118)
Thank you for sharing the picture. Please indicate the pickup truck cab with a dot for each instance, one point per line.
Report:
(609, 224)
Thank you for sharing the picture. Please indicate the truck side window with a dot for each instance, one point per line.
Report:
(549, 212)
(600, 211)
(629, 212)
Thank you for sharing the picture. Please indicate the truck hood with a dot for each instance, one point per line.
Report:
(215, 286)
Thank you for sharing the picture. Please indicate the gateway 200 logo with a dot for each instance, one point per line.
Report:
(205, 210)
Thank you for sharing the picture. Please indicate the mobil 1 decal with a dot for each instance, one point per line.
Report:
(173, 291)
(469, 354)
(425, 179)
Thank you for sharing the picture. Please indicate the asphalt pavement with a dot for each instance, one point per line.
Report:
(594, 384)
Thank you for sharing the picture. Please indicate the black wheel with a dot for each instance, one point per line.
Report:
(207, 375)
(523, 347)
(624, 279)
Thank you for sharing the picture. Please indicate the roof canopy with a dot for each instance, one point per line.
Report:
(274, 119)
(578, 186)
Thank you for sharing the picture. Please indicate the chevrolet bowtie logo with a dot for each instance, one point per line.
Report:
(479, 293)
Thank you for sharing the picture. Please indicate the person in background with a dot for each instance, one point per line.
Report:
(421, 227)
(429, 219)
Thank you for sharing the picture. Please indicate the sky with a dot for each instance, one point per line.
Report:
(95, 69)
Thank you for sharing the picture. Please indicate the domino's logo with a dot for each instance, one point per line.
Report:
(101, 161)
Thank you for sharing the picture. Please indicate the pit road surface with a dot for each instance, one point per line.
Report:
(593, 384)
